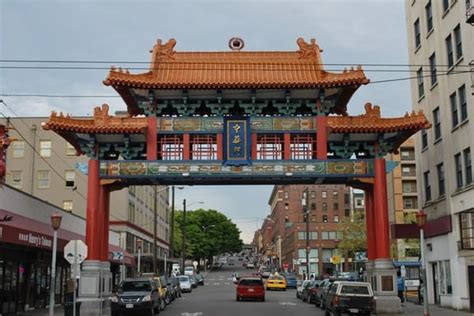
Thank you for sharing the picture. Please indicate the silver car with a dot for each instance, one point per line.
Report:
(185, 283)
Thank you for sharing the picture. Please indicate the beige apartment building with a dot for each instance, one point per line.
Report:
(440, 50)
(44, 165)
(403, 199)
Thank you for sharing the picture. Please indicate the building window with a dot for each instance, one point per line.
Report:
(437, 124)
(458, 41)
(270, 147)
(69, 176)
(204, 147)
(43, 179)
(445, 5)
(347, 212)
(324, 194)
(416, 27)
(312, 235)
(421, 88)
(18, 149)
(335, 195)
(434, 77)
(467, 165)
(429, 17)
(410, 203)
(462, 102)
(408, 171)
(347, 198)
(67, 206)
(409, 186)
(325, 218)
(325, 207)
(325, 235)
(445, 277)
(16, 179)
(454, 109)
(441, 187)
(286, 194)
(426, 177)
(171, 147)
(302, 147)
(70, 150)
(467, 229)
(313, 194)
(45, 148)
(449, 51)
(336, 206)
(424, 139)
(336, 218)
(458, 164)
(313, 206)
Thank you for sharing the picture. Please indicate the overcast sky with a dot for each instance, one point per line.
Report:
(114, 31)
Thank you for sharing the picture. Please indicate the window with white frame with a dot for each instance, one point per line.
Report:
(18, 149)
(43, 179)
(69, 176)
(16, 179)
(466, 219)
(70, 150)
(45, 148)
(67, 206)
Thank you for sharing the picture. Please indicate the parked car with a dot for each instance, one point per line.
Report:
(276, 282)
(185, 283)
(192, 279)
(163, 290)
(170, 292)
(250, 265)
(189, 270)
(199, 279)
(135, 296)
(313, 293)
(325, 284)
(305, 292)
(299, 288)
(177, 288)
(250, 287)
(349, 297)
(265, 272)
(290, 280)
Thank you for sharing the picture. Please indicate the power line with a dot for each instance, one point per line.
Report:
(213, 96)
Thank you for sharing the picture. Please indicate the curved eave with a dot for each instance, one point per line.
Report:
(77, 128)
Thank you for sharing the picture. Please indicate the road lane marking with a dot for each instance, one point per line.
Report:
(287, 303)
(226, 283)
(192, 314)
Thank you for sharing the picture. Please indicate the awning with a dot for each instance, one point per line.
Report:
(407, 263)
(28, 232)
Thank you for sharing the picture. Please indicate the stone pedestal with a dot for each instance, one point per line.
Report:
(383, 277)
(95, 286)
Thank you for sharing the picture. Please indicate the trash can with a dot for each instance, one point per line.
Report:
(68, 309)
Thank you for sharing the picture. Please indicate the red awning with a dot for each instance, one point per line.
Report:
(28, 232)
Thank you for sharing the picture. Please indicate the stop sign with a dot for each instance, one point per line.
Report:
(285, 266)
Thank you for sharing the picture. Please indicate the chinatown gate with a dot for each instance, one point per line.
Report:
(237, 117)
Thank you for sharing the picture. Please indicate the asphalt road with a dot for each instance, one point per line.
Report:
(217, 298)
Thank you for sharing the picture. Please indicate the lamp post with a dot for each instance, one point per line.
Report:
(139, 248)
(183, 250)
(420, 221)
(55, 223)
(204, 229)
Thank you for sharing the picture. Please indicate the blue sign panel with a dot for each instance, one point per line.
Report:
(236, 141)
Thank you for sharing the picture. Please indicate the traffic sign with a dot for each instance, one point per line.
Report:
(117, 256)
(336, 259)
(75, 251)
(285, 266)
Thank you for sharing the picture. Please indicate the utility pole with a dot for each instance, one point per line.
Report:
(154, 229)
(183, 250)
(171, 240)
(305, 203)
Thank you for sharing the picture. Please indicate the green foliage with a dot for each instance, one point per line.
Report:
(354, 235)
(208, 233)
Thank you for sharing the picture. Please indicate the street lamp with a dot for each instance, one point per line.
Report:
(421, 221)
(183, 250)
(55, 223)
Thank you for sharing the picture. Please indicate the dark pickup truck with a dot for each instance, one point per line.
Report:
(349, 297)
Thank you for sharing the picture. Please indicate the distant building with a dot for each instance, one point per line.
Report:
(44, 165)
(441, 51)
(328, 205)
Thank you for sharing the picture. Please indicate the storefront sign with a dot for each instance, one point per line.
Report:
(35, 239)
(237, 141)
(23, 237)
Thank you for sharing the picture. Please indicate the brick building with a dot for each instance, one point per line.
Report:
(328, 204)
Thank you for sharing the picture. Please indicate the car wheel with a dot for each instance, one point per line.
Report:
(263, 299)
(162, 305)
(167, 300)
(326, 313)
(237, 298)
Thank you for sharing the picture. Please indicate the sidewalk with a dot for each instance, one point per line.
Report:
(416, 309)
(58, 311)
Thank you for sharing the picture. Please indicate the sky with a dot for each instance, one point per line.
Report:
(354, 32)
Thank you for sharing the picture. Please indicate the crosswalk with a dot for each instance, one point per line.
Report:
(219, 281)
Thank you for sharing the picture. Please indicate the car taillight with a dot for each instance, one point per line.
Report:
(335, 300)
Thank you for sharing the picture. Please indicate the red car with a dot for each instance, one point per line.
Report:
(250, 287)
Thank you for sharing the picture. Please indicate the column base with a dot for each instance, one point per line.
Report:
(96, 279)
(383, 277)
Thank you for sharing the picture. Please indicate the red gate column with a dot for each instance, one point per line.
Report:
(220, 144)
(104, 208)
(382, 236)
(151, 138)
(321, 137)
(93, 238)
(287, 146)
(370, 224)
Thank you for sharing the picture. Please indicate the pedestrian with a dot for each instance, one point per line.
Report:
(400, 287)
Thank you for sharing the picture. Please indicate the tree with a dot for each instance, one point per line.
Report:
(354, 235)
(208, 233)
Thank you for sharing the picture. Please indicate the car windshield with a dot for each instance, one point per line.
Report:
(355, 289)
(276, 278)
(135, 286)
(188, 269)
(183, 279)
(290, 277)
(250, 282)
